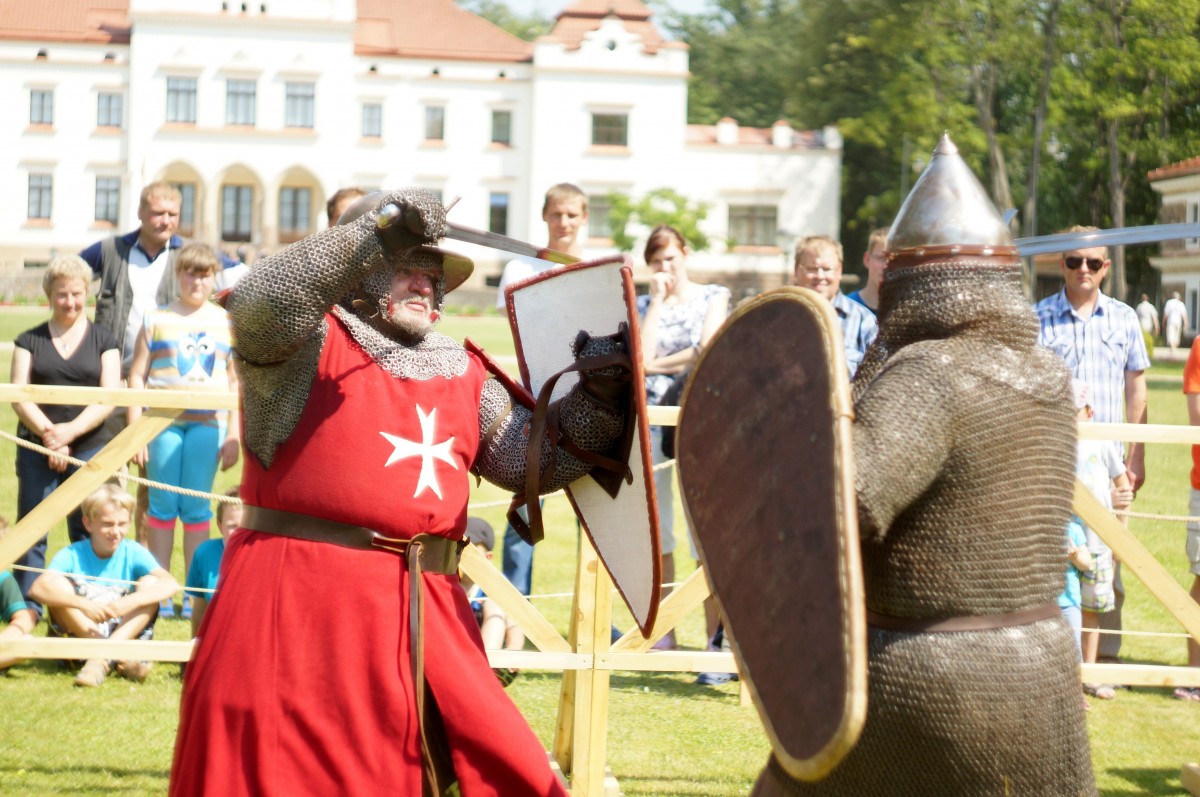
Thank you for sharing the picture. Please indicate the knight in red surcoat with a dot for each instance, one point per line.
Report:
(341, 655)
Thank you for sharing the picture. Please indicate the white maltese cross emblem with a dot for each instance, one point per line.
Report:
(427, 450)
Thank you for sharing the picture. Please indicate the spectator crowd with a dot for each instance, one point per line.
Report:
(156, 326)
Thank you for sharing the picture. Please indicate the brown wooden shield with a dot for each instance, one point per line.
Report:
(765, 464)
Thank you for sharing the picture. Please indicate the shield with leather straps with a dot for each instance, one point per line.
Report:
(767, 474)
(617, 510)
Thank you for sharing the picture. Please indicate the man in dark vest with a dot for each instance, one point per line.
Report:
(136, 271)
(137, 274)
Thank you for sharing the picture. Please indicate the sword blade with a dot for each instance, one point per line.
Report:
(495, 240)
(1123, 236)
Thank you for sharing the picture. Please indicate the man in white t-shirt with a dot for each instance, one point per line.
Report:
(1174, 320)
(565, 211)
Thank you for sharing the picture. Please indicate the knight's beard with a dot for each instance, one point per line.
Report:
(409, 326)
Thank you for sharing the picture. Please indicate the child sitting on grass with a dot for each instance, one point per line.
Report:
(206, 562)
(104, 587)
(13, 610)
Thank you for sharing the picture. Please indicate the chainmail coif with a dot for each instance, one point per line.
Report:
(278, 309)
(964, 445)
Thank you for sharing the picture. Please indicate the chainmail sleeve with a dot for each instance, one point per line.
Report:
(903, 433)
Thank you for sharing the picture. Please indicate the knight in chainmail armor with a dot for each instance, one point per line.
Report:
(341, 656)
(964, 447)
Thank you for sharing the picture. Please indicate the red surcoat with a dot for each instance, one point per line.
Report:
(300, 683)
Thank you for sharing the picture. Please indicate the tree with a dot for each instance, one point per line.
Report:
(660, 206)
(741, 56)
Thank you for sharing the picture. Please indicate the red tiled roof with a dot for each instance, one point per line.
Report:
(584, 16)
(102, 21)
(432, 29)
(402, 28)
(754, 137)
(1180, 169)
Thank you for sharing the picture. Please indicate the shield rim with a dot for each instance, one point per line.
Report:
(854, 626)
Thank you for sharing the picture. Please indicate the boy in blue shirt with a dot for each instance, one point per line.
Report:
(104, 587)
(206, 561)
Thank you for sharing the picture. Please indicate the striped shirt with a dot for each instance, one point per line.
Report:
(859, 329)
(1099, 350)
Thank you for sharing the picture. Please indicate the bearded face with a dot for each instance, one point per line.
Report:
(408, 296)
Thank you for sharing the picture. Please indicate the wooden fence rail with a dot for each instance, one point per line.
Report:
(586, 656)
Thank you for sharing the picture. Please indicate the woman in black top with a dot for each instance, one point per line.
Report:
(66, 350)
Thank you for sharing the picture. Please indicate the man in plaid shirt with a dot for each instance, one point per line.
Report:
(1100, 340)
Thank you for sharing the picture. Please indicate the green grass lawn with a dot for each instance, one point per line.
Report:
(666, 736)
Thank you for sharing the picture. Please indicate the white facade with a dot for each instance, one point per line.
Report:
(1179, 261)
(244, 175)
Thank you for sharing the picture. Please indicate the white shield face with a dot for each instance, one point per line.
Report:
(546, 313)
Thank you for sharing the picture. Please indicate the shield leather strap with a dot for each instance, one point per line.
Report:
(766, 470)
(544, 424)
(423, 553)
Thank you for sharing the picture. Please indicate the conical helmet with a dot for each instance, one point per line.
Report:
(947, 212)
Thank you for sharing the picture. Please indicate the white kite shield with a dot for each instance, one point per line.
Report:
(546, 313)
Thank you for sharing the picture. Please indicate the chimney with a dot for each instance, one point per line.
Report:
(727, 131)
(781, 135)
(831, 137)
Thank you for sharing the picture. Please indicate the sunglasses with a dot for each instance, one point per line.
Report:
(1094, 264)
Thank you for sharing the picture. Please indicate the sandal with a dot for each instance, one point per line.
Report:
(1100, 691)
(1185, 693)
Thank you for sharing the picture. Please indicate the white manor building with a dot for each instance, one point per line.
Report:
(259, 111)
(1179, 261)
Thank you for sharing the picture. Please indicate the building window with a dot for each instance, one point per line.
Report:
(108, 198)
(240, 100)
(298, 108)
(372, 120)
(41, 192)
(599, 207)
(435, 123)
(41, 107)
(498, 212)
(181, 100)
(752, 225)
(610, 129)
(236, 212)
(108, 110)
(187, 208)
(502, 127)
(294, 217)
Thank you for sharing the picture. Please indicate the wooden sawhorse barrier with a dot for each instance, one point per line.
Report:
(585, 656)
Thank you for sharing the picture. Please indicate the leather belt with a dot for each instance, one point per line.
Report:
(976, 622)
(423, 553)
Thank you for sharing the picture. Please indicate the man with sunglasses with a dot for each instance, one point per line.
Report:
(1100, 340)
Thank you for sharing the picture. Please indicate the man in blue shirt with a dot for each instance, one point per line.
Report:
(1101, 342)
(104, 587)
(819, 267)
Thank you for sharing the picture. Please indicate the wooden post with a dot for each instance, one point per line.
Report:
(590, 723)
(683, 599)
(1137, 559)
(91, 475)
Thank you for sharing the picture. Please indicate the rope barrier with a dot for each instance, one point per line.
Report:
(225, 499)
(85, 577)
